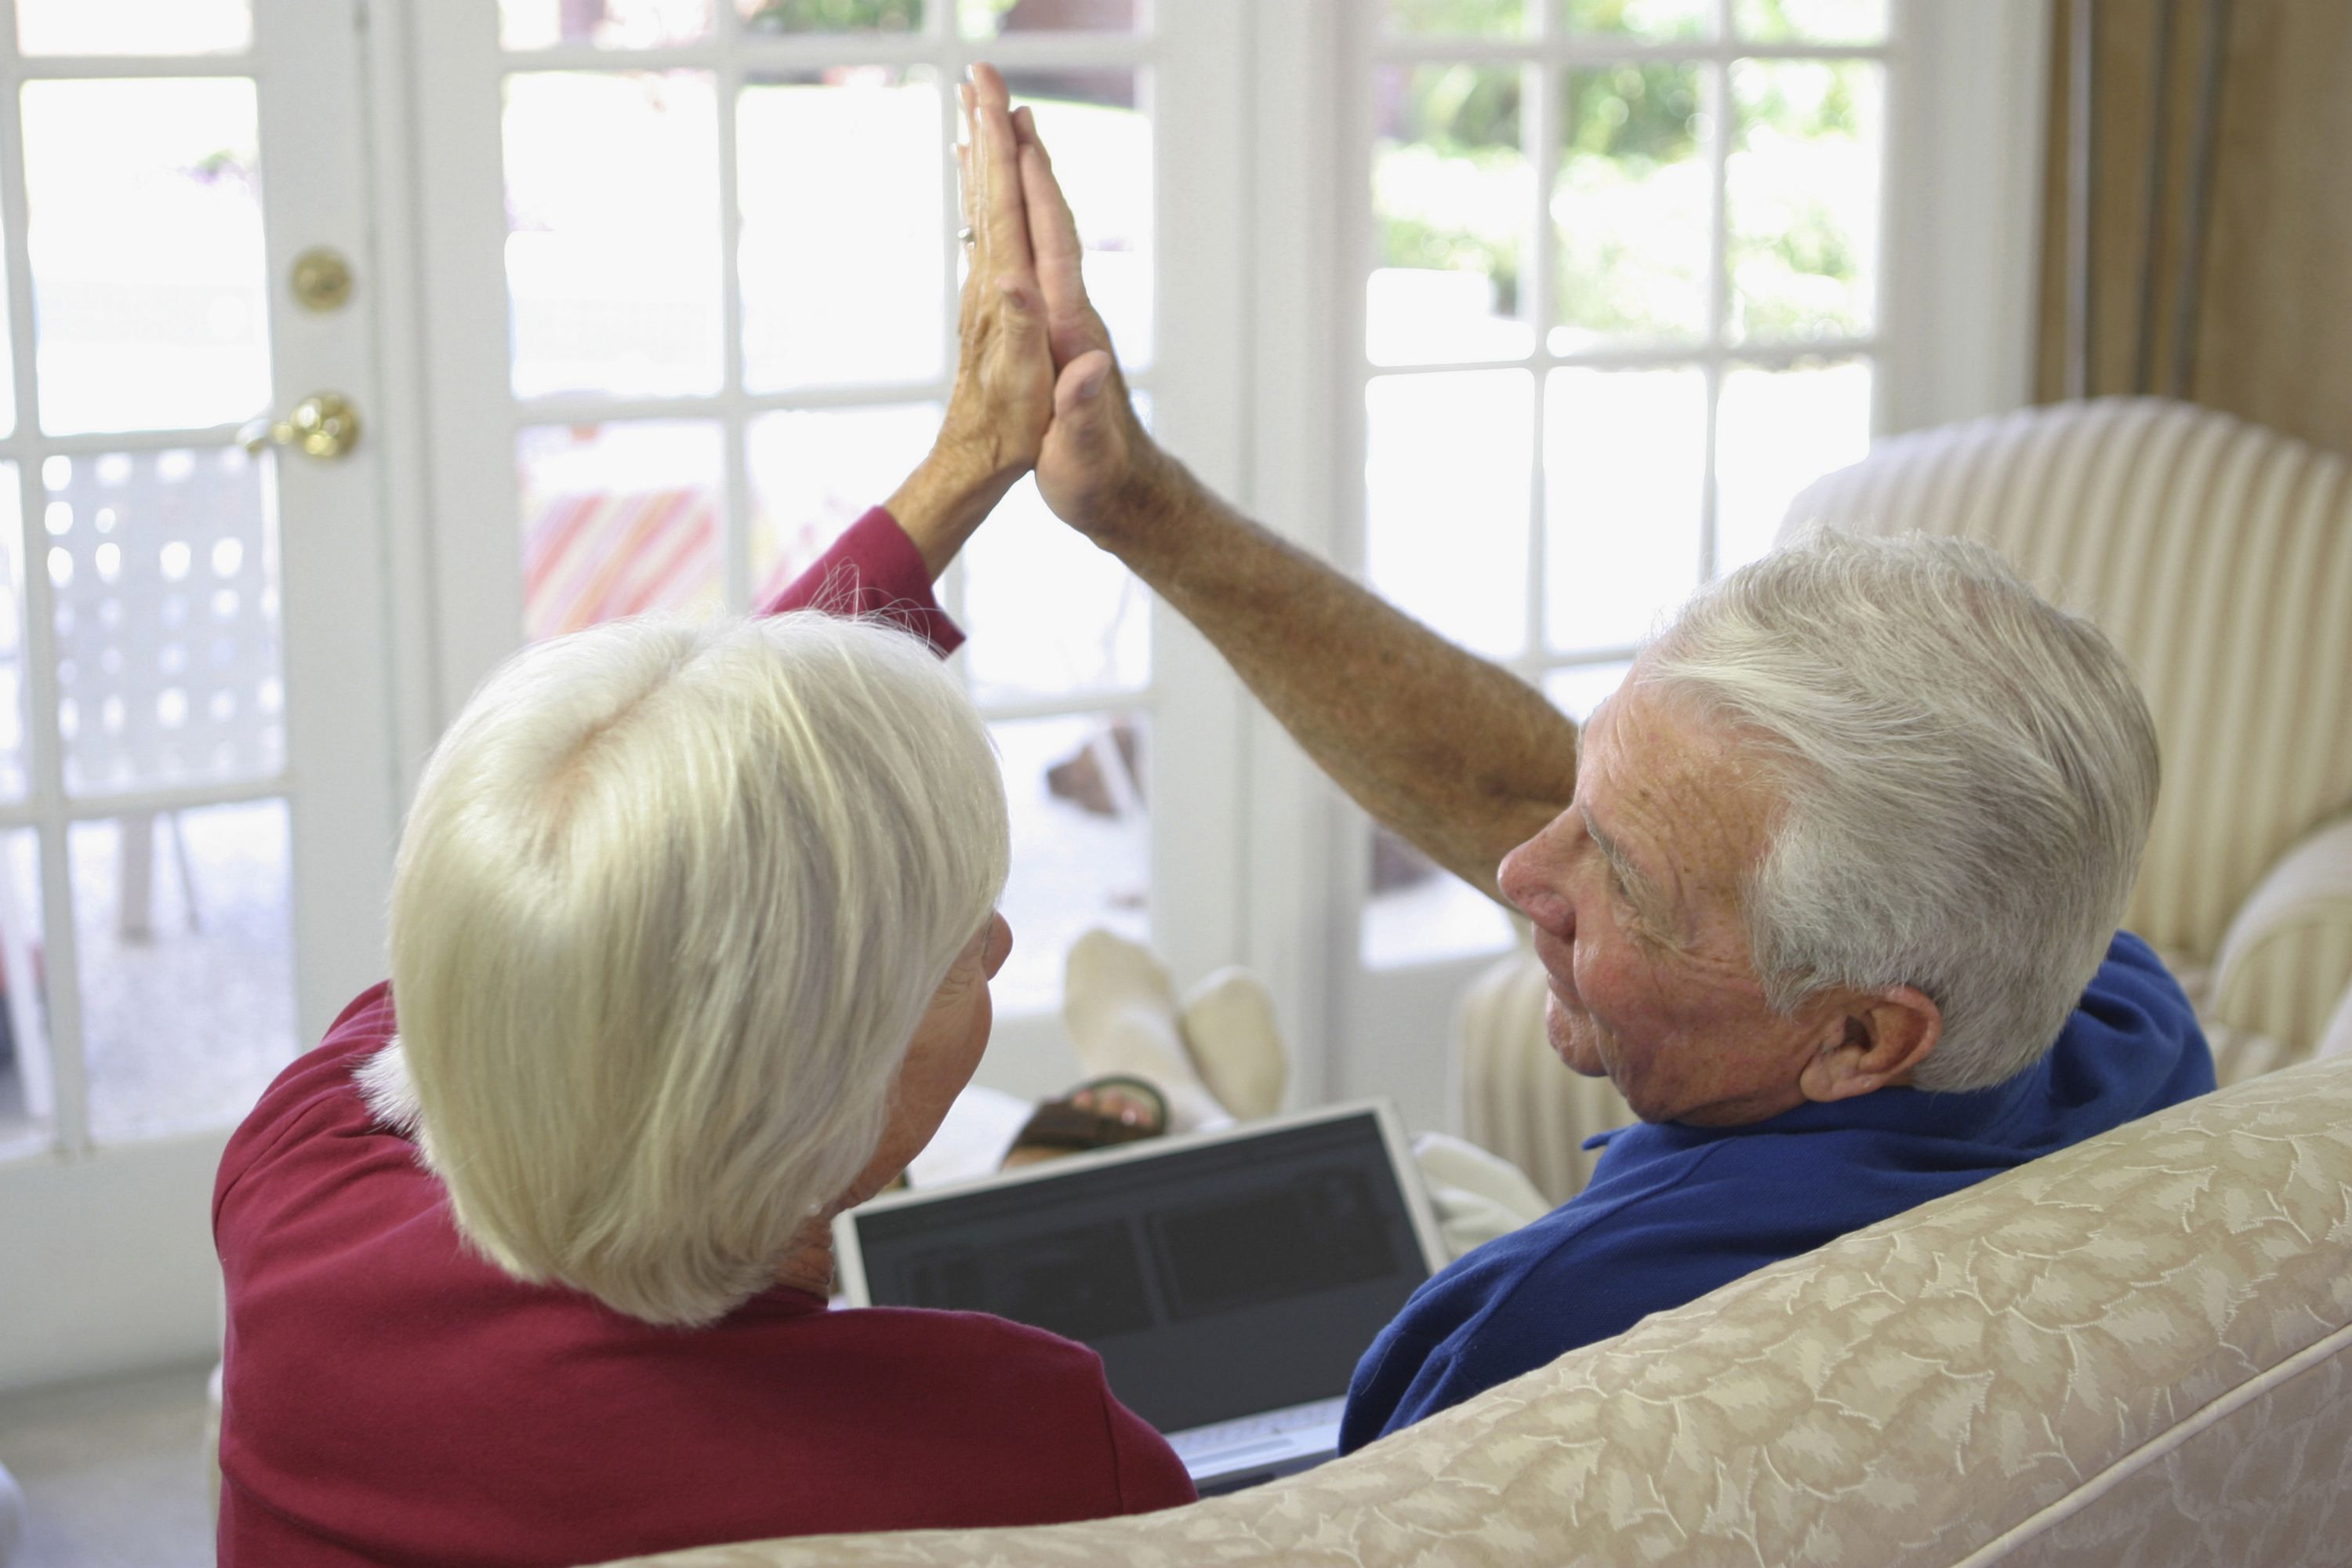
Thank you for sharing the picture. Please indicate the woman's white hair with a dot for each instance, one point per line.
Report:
(669, 905)
(1964, 774)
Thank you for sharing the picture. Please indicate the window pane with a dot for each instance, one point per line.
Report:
(1580, 689)
(1659, 20)
(1094, 122)
(1777, 432)
(815, 471)
(831, 16)
(1810, 21)
(995, 19)
(1419, 914)
(1631, 205)
(1624, 467)
(844, 257)
(1081, 844)
(133, 334)
(133, 26)
(1447, 485)
(605, 23)
(619, 519)
(1452, 199)
(27, 1086)
(182, 917)
(15, 757)
(1482, 19)
(613, 254)
(163, 581)
(1049, 613)
(1804, 190)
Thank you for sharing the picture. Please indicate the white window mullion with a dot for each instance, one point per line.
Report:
(1540, 112)
(737, 502)
(1717, 83)
(70, 1115)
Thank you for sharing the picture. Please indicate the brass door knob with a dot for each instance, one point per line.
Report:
(324, 425)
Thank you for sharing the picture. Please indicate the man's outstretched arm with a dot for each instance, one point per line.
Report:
(1456, 754)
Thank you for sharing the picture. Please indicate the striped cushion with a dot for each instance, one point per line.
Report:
(2219, 556)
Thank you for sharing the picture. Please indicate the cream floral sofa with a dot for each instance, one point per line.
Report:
(2219, 556)
(2137, 1351)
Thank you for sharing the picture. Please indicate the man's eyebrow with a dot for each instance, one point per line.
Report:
(1644, 891)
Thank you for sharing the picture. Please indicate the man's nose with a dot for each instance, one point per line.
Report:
(1533, 877)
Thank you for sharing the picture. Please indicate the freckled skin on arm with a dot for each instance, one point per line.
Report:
(1456, 755)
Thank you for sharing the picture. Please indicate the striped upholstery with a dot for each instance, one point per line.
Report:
(2219, 556)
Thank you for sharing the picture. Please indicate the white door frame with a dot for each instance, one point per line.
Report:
(109, 1260)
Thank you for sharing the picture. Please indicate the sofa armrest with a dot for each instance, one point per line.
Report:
(2288, 954)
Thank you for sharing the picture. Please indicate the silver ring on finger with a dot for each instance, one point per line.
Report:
(966, 236)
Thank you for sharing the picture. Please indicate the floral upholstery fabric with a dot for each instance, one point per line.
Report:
(2131, 1351)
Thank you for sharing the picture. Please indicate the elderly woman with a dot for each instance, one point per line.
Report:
(691, 936)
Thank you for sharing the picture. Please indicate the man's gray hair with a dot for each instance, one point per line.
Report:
(1965, 777)
(669, 905)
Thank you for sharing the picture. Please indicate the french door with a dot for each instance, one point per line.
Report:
(196, 784)
(690, 273)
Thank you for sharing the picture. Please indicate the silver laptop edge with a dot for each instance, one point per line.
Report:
(850, 1262)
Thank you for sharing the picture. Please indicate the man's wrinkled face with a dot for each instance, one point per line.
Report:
(1635, 895)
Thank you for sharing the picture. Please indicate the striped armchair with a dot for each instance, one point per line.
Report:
(2219, 556)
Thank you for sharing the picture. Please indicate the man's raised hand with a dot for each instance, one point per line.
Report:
(1097, 468)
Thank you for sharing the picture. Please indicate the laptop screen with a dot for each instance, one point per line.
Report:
(1216, 1281)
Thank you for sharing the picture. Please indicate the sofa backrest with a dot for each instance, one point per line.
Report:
(2138, 1351)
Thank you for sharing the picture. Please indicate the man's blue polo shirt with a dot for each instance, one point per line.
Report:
(1675, 1211)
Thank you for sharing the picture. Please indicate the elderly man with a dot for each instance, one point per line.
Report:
(1829, 893)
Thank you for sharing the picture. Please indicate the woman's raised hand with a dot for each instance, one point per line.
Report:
(1002, 399)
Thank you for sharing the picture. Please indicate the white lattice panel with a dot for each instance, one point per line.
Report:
(163, 571)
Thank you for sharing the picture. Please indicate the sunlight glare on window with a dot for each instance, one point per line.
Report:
(1803, 188)
(1451, 188)
(1632, 206)
(1778, 431)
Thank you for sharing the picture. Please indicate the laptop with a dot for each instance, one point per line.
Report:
(1229, 1280)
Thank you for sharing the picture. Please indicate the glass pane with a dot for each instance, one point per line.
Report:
(1049, 613)
(843, 260)
(1447, 485)
(27, 1089)
(1452, 197)
(16, 758)
(163, 576)
(1777, 432)
(1580, 689)
(619, 519)
(612, 249)
(133, 334)
(1803, 185)
(1624, 468)
(1418, 913)
(995, 19)
(815, 471)
(1810, 21)
(133, 26)
(1649, 19)
(1631, 205)
(603, 24)
(1482, 19)
(183, 916)
(1081, 844)
(832, 15)
(1094, 121)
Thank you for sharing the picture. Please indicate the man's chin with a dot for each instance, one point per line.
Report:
(1571, 1040)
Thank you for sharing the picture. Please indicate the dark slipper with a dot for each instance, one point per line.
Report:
(1060, 1125)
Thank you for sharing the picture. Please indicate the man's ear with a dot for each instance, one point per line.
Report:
(1877, 1038)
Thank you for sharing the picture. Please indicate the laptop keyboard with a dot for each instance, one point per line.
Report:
(1204, 1440)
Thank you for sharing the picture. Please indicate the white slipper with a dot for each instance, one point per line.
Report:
(1119, 1005)
(1230, 1029)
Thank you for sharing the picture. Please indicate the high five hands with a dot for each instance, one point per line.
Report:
(1036, 383)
